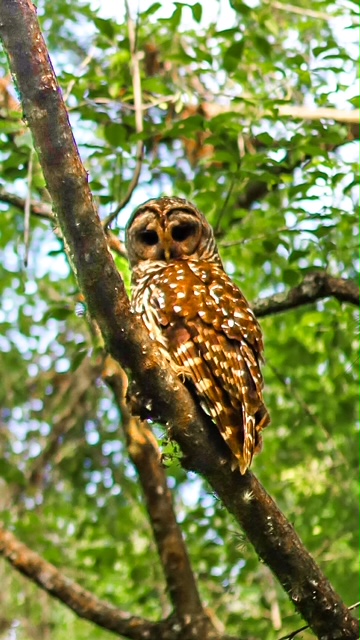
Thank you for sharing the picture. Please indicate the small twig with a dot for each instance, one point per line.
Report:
(170, 99)
(139, 126)
(82, 66)
(310, 13)
(225, 204)
(319, 113)
(27, 207)
(263, 236)
(41, 210)
(292, 635)
(345, 116)
(115, 244)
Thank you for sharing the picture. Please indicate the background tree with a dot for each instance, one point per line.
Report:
(214, 112)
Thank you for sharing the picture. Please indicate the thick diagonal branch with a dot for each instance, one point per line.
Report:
(271, 534)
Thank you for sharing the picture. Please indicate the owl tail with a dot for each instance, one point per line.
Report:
(253, 425)
(242, 457)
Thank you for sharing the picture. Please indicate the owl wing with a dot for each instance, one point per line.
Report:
(214, 337)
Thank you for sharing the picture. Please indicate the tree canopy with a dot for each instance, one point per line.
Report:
(246, 109)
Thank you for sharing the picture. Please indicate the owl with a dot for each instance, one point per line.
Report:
(199, 318)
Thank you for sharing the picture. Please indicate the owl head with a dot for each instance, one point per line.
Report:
(167, 229)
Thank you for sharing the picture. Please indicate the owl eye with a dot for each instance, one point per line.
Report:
(149, 237)
(182, 232)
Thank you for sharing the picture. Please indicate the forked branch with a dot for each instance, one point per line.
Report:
(81, 601)
(144, 453)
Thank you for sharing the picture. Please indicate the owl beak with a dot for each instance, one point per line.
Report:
(166, 243)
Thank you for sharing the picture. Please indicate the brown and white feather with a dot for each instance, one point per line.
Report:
(200, 319)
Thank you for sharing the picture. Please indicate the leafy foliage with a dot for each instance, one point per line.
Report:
(281, 195)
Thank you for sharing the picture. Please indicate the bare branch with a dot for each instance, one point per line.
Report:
(79, 600)
(138, 118)
(27, 208)
(144, 453)
(296, 112)
(81, 67)
(43, 210)
(272, 536)
(38, 209)
(319, 113)
(115, 244)
(315, 286)
(302, 11)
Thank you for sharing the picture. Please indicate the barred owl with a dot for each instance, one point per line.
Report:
(199, 318)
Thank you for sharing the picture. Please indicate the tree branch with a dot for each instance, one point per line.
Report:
(343, 116)
(301, 11)
(272, 536)
(79, 600)
(115, 244)
(315, 286)
(144, 452)
(87, 606)
(41, 210)
(38, 209)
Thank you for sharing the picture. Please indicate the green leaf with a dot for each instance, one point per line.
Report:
(233, 55)
(196, 11)
(11, 474)
(262, 45)
(291, 277)
(151, 10)
(58, 312)
(106, 27)
(77, 359)
(116, 134)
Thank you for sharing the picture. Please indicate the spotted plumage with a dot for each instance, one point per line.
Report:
(199, 318)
